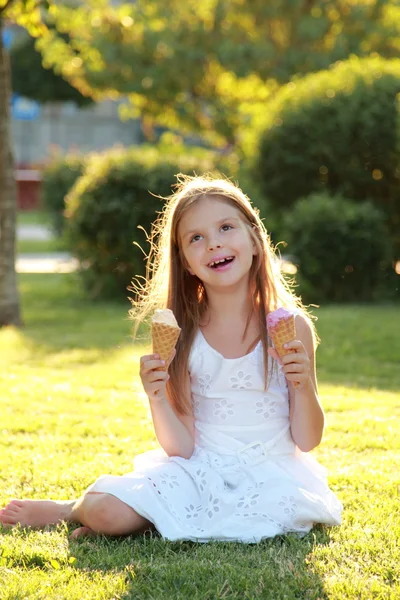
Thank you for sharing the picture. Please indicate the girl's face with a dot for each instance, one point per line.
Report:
(216, 243)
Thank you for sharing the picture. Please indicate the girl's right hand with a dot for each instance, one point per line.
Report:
(153, 381)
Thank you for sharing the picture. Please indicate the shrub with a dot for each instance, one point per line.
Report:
(336, 131)
(341, 247)
(117, 194)
(59, 176)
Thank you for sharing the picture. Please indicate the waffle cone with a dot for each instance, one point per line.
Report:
(283, 332)
(164, 338)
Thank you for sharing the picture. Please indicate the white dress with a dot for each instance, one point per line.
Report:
(246, 479)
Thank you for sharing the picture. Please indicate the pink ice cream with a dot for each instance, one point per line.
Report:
(274, 317)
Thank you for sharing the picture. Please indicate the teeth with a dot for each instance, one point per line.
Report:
(218, 262)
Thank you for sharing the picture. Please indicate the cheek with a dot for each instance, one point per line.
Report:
(189, 260)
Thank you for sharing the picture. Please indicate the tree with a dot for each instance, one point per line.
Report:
(31, 80)
(201, 67)
(208, 67)
(28, 14)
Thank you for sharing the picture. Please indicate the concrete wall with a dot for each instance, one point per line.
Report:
(69, 128)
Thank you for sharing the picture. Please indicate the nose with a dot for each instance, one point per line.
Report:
(213, 244)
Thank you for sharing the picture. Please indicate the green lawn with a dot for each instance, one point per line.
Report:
(33, 217)
(72, 409)
(38, 217)
(41, 246)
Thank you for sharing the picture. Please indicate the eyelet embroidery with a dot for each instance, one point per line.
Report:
(241, 382)
(223, 409)
(202, 481)
(247, 501)
(213, 506)
(196, 408)
(204, 383)
(170, 480)
(289, 506)
(266, 407)
(193, 512)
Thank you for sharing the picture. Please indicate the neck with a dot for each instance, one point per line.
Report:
(226, 304)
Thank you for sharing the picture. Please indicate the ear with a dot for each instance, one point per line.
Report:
(255, 251)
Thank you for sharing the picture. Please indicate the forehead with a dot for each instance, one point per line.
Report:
(205, 212)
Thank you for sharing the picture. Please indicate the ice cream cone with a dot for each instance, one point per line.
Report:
(165, 333)
(281, 331)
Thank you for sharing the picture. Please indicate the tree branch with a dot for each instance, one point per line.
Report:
(7, 5)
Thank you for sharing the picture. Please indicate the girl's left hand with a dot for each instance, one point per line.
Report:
(296, 365)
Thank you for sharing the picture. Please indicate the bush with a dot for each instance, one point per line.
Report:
(341, 247)
(59, 176)
(336, 130)
(117, 194)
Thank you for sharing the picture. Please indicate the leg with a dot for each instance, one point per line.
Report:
(99, 512)
(104, 513)
(36, 513)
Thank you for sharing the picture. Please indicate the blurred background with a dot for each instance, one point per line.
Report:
(297, 101)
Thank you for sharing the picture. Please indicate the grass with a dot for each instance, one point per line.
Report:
(38, 217)
(72, 409)
(33, 217)
(41, 246)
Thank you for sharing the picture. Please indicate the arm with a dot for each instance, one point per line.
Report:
(306, 414)
(175, 433)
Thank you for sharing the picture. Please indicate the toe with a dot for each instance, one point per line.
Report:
(8, 519)
(14, 504)
(81, 532)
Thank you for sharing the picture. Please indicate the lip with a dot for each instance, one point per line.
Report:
(221, 267)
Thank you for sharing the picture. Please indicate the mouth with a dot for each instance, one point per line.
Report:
(219, 264)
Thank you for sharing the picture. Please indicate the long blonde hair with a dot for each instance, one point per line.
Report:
(169, 285)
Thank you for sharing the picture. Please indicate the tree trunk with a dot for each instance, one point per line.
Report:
(9, 297)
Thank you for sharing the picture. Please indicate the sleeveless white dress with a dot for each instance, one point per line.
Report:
(246, 479)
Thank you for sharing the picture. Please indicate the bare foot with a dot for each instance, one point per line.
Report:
(82, 532)
(35, 513)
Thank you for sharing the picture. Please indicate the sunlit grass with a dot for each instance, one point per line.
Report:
(33, 217)
(72, 408)
(41, 246)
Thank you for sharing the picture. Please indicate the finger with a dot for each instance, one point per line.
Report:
(156, 376)
(294, 358)
(273, 354)
(293, 369)
(151, 365)
(294, 346)
(144, 359)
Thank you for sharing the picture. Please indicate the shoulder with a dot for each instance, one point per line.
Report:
(305, 332)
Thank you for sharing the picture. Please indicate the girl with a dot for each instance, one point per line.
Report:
(235, 422)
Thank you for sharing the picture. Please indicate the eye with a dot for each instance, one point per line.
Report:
(226, 227)
(195, 238)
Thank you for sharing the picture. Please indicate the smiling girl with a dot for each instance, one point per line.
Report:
(234, 421)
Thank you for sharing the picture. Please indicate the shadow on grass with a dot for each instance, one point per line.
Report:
(153, 568)
(147, 567)
(58, 316)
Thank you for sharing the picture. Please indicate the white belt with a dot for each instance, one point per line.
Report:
(253, 453)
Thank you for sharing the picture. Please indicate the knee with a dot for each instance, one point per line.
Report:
(103, 514)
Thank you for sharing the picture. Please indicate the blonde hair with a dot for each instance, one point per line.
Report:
(169, 285)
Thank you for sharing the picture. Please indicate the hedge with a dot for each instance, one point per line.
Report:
(58, 178)
(341, 247)
(337, 130)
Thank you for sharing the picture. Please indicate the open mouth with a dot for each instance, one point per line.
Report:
(222, 262)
